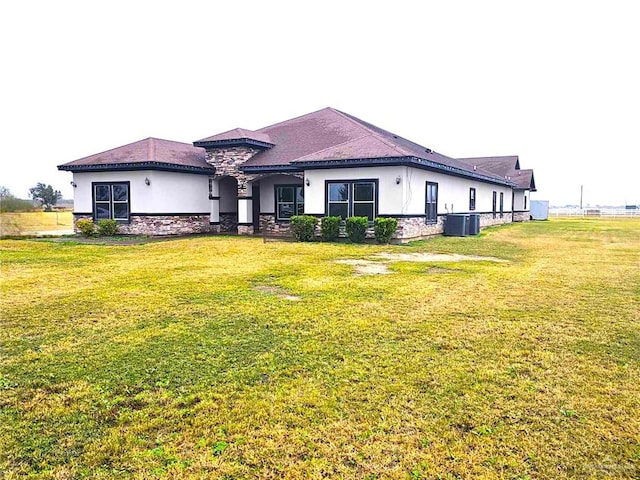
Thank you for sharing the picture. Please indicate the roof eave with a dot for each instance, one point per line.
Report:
(407, 161)
(269, 168)
(114, 167)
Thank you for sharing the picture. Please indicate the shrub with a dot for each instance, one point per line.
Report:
(303, 227)
(384, 228)
(107, 227)
(86, 227)
(330, 227)
(357, 228)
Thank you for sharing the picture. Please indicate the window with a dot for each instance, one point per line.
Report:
(501, 204)
(289, 201)
(352, 199)
(472, 199)
(111, 201)
(525, 202)
(431, 207)
(493, 205)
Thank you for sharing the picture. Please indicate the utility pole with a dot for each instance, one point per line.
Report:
(581, 189)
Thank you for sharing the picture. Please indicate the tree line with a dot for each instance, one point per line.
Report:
(42, 194)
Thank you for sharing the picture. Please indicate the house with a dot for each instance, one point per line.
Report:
(323, 163)
(509, 168)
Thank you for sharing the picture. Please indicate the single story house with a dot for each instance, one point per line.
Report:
(323, 163)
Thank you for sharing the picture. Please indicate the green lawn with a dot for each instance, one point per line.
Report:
(185, 358)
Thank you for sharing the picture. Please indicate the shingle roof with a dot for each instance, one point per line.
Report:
(507, 167)
(148, 152)
(330, 134)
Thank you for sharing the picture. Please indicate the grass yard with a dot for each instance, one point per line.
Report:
(225, 357)
(12, 224)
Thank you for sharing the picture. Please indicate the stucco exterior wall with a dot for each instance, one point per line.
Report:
(228, 191)
(168, 192)
(518, 200)
(390, 194)
(267, 192)
(407, 197)
(453, 193)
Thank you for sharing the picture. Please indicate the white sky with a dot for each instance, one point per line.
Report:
(555, 82)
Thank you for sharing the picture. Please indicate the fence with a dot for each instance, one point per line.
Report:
(594, 212)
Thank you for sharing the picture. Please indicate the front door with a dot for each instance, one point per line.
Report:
(255, 196)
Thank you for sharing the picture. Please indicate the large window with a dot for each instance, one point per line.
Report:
(352, 199)
(472, 199)
(501, 204)
(431, 203)
(494, 208)
(289, 201)
(111, 201)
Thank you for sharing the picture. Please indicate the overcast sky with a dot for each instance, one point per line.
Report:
(555, 82)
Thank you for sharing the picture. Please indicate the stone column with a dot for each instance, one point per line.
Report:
(214, 197)
(245, 206)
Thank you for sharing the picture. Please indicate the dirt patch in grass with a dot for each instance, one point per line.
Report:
(377, 267)
(435, 257)
(367, 267)
(277, 291)
(436, 270)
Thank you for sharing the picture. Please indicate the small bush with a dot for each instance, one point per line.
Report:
(86, 227)
(384, 228)
(303, 227)
(357, 228)
(107, 227)
(330, 227)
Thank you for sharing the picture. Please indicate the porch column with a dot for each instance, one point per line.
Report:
(245, 207)
(214, 198)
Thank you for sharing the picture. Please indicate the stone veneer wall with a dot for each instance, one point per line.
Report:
(159, 225)
(226, 160)
(269, 225)
(409, 228)
(486, 219)
(524, 216)
(416, 227)
(228, 222)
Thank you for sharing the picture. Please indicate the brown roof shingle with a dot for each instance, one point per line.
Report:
(147, 151)
(507, 166)
(330, 134)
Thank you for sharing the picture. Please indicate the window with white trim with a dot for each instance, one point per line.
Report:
(472, 198)
(111, 201)
(356, 198)
(289, 201)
